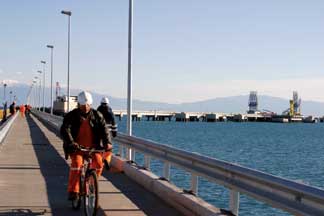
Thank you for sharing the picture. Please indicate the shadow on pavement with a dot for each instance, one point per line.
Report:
(147, 202)
(55, 171)
(22, 212)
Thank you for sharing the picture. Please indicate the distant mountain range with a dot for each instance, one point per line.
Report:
(234, 104)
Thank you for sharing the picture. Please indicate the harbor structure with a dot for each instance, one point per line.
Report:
(42, 158)
(291, 114)
(253, 102)
(61, 106)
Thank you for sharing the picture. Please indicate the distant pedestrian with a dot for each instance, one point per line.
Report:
(108, 114)
(4, 114)
(28, 108)
(12, 108)
(22, 110)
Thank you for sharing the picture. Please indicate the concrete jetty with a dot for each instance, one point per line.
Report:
(33, 179)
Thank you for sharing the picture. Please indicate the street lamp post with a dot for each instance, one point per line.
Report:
(51, 47)
(44, 63)
(68, 13)
(129, 81)
(10, 93)
(4, 115)
(39, 91)
(28, 94)
(35, 95)
(4, 92)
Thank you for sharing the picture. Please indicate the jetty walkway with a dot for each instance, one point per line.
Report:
(34, 174)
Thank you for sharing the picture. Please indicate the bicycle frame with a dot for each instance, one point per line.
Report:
(90, 200)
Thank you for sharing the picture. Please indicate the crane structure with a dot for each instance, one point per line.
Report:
(294, 106)
(253, 102)
(296, 103)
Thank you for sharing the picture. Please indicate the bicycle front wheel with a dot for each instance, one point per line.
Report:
(91, 197)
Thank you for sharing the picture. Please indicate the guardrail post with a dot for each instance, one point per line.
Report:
(194, 183)
(133, 155)
(166, 170)
(120, 150)
(147, 162)
(129, 153)
(127, 156)
(234, 202)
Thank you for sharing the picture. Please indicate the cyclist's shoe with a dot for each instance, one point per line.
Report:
(107, 165)
(73, 196)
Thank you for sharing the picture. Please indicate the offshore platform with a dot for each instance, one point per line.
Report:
(293, 113)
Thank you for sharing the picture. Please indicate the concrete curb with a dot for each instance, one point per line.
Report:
(186, 203)
(6, 127)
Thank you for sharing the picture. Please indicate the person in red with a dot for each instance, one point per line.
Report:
(28, 109)
(83, 127)
(22, 110)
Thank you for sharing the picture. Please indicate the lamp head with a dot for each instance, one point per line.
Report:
(69, 13)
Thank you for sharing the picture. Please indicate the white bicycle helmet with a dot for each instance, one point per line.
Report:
(105, 100)
(84, 98)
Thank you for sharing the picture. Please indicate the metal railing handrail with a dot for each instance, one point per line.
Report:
(4, 128)
(194, 158)
(294, 197)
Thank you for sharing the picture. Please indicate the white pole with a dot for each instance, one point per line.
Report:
(51, 81)
(51, 103)
(68, 84)
(68, 13)
(129, 91)
(39, 92)
(43, 85)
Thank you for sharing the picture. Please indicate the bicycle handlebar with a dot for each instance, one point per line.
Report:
(91, 150)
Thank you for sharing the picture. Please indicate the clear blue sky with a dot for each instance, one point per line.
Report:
(184, 50)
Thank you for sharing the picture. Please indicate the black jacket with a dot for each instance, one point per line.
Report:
(107, 114)
(109, 117)
(12, 109)
(71, 125)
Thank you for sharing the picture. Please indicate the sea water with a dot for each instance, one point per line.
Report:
(293, 151)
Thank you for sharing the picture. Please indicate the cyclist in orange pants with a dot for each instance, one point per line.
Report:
(84, 127)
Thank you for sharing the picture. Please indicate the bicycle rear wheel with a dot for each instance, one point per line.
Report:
(91, 194)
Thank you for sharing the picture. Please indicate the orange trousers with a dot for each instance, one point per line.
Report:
(76, 166)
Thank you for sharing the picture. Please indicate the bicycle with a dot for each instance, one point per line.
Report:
(89, 191)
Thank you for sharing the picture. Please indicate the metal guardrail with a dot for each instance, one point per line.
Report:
(293, 197)
(53, 120)
(4, 128)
